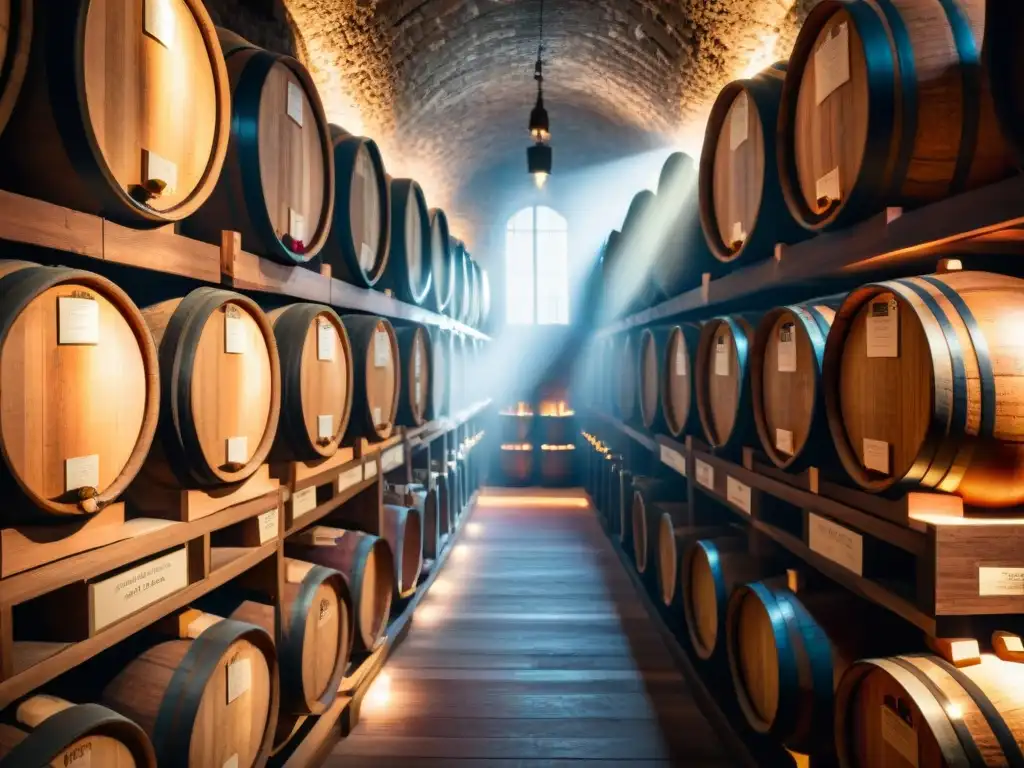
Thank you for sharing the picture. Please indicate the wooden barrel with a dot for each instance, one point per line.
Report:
(682, 255)
(360, 234)
(408, 272)
(613, 297)
(642, 513)
(439, 473)
(723, 382)
(366, 563)
(637, 252)
(210, 698)
(515, 460)
(277, 187)
(402, 528)
(485, 300)
(785, 384)
(439, 402)
(220, 389)
(434, 525)
(414, 357)
(316, 381)
(920, 386)
(742, 211)
(885, 104)
(442, 263)
(54, 732)
(921, 710)
(104, 123)
(376, 380)
(1003, 34)
(647, 371)
(556, 465)
(676, 361)
(460, 304)
(80, 383)
(627, 400)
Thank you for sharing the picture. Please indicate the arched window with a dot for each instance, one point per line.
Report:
(537, 267)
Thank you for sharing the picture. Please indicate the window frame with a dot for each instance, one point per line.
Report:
(534, 230)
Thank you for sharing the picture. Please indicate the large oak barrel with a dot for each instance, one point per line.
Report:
(682, 255)
(220, 389)
(442, 263)
(460, 303)
(376, 378)
(742, 211)
(920, 379)
(316, 381)
(885, 104)
(402, 528)
(408, 272)
(723, 382)
(54, 732)
(209, 700)
(277, 187)
(360, 236)
(626, 398)
(123, 114)
(921, 710)
(366, 563)
(785, 382)
(79, 390)
(414, 364)
(15, 40)
(439, 402)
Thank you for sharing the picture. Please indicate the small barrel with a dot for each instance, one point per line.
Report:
(316, 381)
(682, 255)
(368, 567)
(121, 115)
(360, 234)
(457, 369)
(785, 383)
(220, 389)
(624, 373)
(54, 732)
(408, 271)
(884, 105)
(209, 700)
(376, 378)
(439, 402)
(277, 187)
(920, 379)
(414, 365)
(742, 211)
(442, 263)
(445, 520)
(81, 394)
(723, 382)
(402, 528)
(648, 380)
(662, 522)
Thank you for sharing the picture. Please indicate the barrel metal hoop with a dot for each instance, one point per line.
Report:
(289, 326)
(789, 669)
(743, 406)
(971, 75)
(907, 73)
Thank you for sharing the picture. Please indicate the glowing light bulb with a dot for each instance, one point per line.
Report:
(539, 179)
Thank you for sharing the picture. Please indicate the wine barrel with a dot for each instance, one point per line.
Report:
(316, 381)
(15, 40)
(439, 473)
(277, 187)
(414, 358)
(442, 263)
(627, 400)
(220, 384)
(360, 234)
(742, 211)
(785, 383)
(677, 392)
(921, 710)
(375, 366)
(474, 294)
(439, 402)
(209, 700)
(723, 382)
(103, 123)
(638, 252)
(851, 141)
(920, 386)
(408, 272)
(366, 563)
(648, 376)
(644, 512)
(485, 300)
(80, 383)
(55, 732)
(460, 303)
(402, 528)
(682, 255)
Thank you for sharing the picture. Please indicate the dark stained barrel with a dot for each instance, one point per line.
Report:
(442, 263)
(409, 264)
(682, 255)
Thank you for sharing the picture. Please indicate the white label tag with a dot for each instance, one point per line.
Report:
(238, 450)
(417, 363)
(680, 361)
(325, 342)
(295, 102)
(231, 762)
(377, 416)
(296, 226)
(118, 596)
(836, 542)
(325, 426)
(381, 349)
(239, 678)
(236, 339)
(350, 477)
(828, 186)
(832, 62)
(738, 120)
(673, 459)
(883, 337)
(738, 235)
(722, 354)
(78, 320)
(876, 455)
(367, 257)
(900, 736)
(82, 472)
(158, 22)
(787, 348)
(784, 441)
(267, 525)
(303, 501)
(1000, 581)
(738, 494)
(370, 470)
(705, 475)
(155, 167)
(1013, 643)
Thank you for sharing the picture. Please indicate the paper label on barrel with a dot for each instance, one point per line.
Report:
(238, 450)
(836, 542)
(784, 441)
(239, 678)
(738, 494)
(296, 226)
(157, 168)
(367, 257)
(680, 360)
(738, 118)
(325, 426)
(78, 320)
(158, 22)
(231, 762)
(828, 187)
(900, 736)
(883, 337)
(350, 477)
(295, 102)
(121, 595)
(381, 349)
(705, 475)
(266, 523)
(82, 472)
(722, 355)
(787, 348)
(303, 501)
(236, 338)
(378, 417)
(832, 62)
(876, 455)
(1000, 581)
(1013, 643)
(325, 342)
(673, 459)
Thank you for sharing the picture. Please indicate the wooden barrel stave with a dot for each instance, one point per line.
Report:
(402, 528)
(723, 382)
(1006, 81)
(408, 273)
(673, 537)
(376, 380)
(442, 263)
(414, 356)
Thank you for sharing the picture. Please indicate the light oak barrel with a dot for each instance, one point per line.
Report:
(414, 357)
(205, 700)
(220, 385)
(78, 404)
(402, 528)
(316, 381)
(786, 390)
(742, 210)
(442, 263)
(114, 119)
(723, 382)
(682, 255)
(277, 186)
(408, 273)
(911, 122)
(1004, 31)
(460, 304)
(674, 538)
(376, 378)
(439, 403)
(56, 733)
(919, 709)
(678, 395)
(941, 414)
(360, 235)
(15, 39)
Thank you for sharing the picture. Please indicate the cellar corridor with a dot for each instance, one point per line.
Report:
(531, 649)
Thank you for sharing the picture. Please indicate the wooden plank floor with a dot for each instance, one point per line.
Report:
(532, 649)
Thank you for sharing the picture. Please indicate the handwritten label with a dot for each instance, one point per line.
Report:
(158, 22)
(722, 355)
(784, 441)
(738, 494)
(876, 455)
(900, 736)
(883, 337)
(236, 338)
(157, 168)
(381, 349)
(82, 472)
(78, 756)
(296, 225)
(787, 348)
(680, 360)
(239, 678)
(836, 542)
(238, 449)
(832, 62)
(738, 118)
(827, 187)
(303, 502)
(116, 597)
(78, 320)
(294, 106)
(350, 477)
(267, 525)
(1000, 581)
(705, 475)
(326, 338)
(325, 426)
(673, 459)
